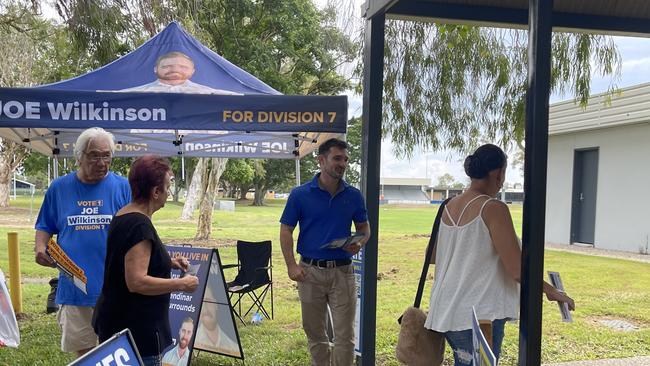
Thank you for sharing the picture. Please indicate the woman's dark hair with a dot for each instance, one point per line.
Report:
(146, 173)
(484, 160)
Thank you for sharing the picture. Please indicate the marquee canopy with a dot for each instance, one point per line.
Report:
(223, 111)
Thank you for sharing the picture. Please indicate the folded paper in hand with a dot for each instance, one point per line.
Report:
(67, 266)
(556, 281)
(193, 270)
(344, 242)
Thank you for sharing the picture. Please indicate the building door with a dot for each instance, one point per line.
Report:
(583, 210)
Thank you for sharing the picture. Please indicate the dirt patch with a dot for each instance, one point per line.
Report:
(291, 326)
(17, 217)
(210, 243)
(390, 274)
(22, 317)
(411, 236)
(617, 323)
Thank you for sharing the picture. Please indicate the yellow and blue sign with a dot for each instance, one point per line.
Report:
(483, 355)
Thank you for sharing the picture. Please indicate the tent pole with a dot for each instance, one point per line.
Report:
(297, 171)
(55, 166)
(55, 155)
(183, 167)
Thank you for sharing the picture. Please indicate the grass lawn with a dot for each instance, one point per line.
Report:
(603, 288)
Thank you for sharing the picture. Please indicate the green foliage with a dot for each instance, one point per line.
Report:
(353, 138)
(35, 163)
(238, 172)
(452, 86)
(297, 59)
(446, 181)
(101, 31)
(238, 176)
(272, 174)
(308, 168)
(457, 185)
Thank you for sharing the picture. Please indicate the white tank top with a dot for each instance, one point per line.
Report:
(468, 273)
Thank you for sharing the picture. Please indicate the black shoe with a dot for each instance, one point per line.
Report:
(52, 307)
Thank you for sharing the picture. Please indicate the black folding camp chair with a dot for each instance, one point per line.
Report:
(254, 279)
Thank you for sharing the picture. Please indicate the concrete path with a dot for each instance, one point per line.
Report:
(634, 361)
(589, 250)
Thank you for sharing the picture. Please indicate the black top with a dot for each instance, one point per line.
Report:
(117, 308)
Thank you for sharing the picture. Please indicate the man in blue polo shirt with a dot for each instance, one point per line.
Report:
(325, 207)
(78, 209)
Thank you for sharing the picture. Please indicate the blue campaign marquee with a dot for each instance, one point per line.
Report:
(255, 121)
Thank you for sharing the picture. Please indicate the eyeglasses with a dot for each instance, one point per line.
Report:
(94, 158)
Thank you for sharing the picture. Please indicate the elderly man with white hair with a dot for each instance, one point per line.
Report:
(78, 208)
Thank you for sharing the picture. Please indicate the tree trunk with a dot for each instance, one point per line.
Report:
(5, 182)
(229, 190)
(216, 167)
(11, 156)
(243, 190)
(260, 192)
(177, 190)
(193, 191)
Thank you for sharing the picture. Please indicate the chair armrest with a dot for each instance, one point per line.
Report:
(263, 268)
(226, 266)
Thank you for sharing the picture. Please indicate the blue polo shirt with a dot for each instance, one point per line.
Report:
(79, 215)
(323, 217)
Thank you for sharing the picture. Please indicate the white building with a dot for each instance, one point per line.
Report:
(404, 190)
(599, 171)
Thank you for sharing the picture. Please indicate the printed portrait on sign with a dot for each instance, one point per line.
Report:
(173, 71)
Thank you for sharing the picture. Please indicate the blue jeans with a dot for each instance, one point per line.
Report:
(461, 343)
(152, 360)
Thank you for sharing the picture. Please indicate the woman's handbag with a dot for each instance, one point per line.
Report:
(417, 345)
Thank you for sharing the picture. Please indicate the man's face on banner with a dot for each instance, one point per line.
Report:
(174, 70)
(209, 317)
(185, 334)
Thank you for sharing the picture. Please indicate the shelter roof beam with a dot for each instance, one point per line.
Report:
(511, 17)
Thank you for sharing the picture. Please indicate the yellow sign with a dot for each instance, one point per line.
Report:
(66, 265)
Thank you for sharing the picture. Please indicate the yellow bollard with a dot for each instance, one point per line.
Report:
(14, 273)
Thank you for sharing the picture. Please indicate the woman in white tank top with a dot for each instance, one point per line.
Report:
(478, 260)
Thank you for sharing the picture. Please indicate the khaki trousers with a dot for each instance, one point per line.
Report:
(336, 287)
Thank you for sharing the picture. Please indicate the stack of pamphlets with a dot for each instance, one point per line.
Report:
(556, 281)
(344, 242)
(67, 266)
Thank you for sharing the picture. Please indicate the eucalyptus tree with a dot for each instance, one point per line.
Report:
(238, 177)
(21, 35)
(454, 86)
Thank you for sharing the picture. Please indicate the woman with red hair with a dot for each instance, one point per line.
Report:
(137, 283)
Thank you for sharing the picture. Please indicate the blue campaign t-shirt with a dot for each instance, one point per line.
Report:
(79, 215)
(323, 217)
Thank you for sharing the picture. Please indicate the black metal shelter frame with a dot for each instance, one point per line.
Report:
(541, 17)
